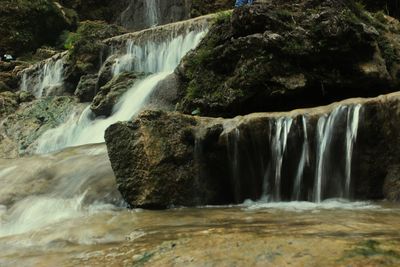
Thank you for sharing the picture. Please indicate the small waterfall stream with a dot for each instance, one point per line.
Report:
(150, 57)
(299, 159)
(45, 78)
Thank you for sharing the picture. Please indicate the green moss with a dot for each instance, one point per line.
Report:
(371, 248)
(26, 25)
(380, 16)
(388, 51)
(193, 91)
(223, 17)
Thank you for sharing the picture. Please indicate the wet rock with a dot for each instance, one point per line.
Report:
(106, 71)
(110, 93)
(391, 187)
(88, 50)
(164, 95)
(20, 129)
(27, 25)
(8, 103)
(153, 158)
(86, 89)
(281, 55)
(163, 158)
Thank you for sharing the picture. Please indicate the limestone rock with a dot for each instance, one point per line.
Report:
(391, 187)
(153, 158)
(280, 55)
(163, 159)
(20, 129)
(110, 93)
(86, 89)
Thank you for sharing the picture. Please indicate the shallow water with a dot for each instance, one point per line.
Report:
(63, 209)
(333, 233)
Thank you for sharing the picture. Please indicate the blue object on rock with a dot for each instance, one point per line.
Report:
(240, 3)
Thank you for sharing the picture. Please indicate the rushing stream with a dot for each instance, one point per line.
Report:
(61, 207)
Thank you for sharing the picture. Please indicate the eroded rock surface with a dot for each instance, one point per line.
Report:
(162, 158)
(280, 55)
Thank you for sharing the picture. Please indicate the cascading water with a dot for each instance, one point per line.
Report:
(40, 191)
(152, 13)
(291, 165)
(158, 58)
(303, 163)
(44, 79)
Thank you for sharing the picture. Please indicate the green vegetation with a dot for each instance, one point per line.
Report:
(27, 25)
(371, 248)
(85, 45)
(223, 17)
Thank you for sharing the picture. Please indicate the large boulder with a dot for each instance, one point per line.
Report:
(346, 149)
(27, 25)
(154, 159)
(281, 55)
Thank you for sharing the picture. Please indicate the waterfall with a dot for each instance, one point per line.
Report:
(151, 57)
(44, 79)
(325, 132)
(303, 162)
(300, 159)
(353, 116)
(278, 148)
(152, 12)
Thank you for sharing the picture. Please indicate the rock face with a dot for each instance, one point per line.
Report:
(110, 93)
(154, 159)
(26, 25)
(163, 159)
(87, 50)
(140, 14)
(281, 55)
(19, 131)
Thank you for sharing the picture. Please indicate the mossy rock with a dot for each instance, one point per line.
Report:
(281, 55)
(85, 49)
(26, 25)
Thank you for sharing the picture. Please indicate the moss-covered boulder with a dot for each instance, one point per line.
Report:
(28, 24)
(86, 49)
(280, 55)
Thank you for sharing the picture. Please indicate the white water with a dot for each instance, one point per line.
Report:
(152, 13)
(304, 161)
(353, 117)
(314, 171)
(301, 206)
(152, 57)
(43, 190)
(46, 80)
(278, 148)
(325, 132)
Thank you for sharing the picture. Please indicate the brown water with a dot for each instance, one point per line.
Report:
(63, 210)
(226, 236)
